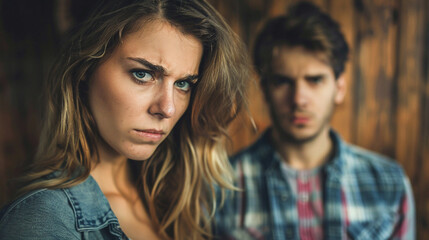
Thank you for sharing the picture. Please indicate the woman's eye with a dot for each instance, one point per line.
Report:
(142, 76)
(183, 85)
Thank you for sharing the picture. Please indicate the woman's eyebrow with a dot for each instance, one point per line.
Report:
(190, 78)
(160, 69)
(151, 66)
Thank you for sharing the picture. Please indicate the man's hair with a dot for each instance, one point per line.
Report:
(304, 25)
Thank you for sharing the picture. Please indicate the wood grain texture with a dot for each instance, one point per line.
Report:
(343, 121)
(374, 76)
(410, 108)
(420, 180)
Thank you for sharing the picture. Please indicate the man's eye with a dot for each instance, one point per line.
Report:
(315, 80)
(276, 80)
(142, 76)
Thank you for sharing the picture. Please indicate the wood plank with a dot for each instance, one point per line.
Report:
(244, 17)
(422, 192)
(278, 7)
(422, 178)
(342, 120)
(410, 109)
(375, 76)
(250, 124)
(410, 83)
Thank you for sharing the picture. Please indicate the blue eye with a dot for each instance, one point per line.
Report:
(141, 76)
(183, 85)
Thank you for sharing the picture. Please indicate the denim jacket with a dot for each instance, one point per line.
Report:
(78, 212)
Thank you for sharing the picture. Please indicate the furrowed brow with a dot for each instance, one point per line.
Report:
(281, 76)
(161, 69)
(190, 78)
(151, 66)
(315, 76)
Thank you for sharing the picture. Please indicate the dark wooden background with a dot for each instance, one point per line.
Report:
(386, 109)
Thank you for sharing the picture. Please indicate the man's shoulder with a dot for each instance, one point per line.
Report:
(372, 171)
(372, 180)
(255, 153)
(364, 158)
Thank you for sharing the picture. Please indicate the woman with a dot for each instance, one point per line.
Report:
(137, 110)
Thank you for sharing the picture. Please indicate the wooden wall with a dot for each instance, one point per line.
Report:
(28, 40)
(386, 109)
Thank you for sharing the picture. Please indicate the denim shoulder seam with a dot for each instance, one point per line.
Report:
(17, 202)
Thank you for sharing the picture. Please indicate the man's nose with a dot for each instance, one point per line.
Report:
(300, 93)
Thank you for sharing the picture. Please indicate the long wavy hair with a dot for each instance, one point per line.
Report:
(176, 184)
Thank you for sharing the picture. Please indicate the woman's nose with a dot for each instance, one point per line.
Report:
(163, 105)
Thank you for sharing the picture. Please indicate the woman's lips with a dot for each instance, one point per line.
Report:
(150, 134)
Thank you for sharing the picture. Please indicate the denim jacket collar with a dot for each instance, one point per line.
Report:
(335, 165)
(90, 206)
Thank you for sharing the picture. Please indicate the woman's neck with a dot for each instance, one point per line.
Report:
(111, 171)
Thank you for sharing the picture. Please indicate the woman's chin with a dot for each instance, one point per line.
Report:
(136, 151)
(139, 157)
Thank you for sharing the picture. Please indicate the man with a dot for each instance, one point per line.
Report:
(300, 180)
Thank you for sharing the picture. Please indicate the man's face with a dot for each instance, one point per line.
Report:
(302, 92)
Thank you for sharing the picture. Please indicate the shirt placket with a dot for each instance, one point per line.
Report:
(333, 219)
(281, 207)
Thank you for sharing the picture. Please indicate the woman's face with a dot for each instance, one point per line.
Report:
(139, 93)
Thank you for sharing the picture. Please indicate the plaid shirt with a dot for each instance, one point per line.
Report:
(364, 196)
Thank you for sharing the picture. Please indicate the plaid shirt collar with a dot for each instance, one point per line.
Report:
(272, 163)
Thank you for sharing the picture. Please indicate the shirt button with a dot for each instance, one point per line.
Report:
(284, 197)
(289, 234)
(303, 197)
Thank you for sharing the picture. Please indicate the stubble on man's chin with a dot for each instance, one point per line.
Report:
(286, 137)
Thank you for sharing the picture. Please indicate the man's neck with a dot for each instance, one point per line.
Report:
(305, 155)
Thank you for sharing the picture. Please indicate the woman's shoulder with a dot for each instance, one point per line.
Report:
(40, 213)
(41, 199)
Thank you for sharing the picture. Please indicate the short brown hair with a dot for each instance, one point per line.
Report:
(307, 26)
